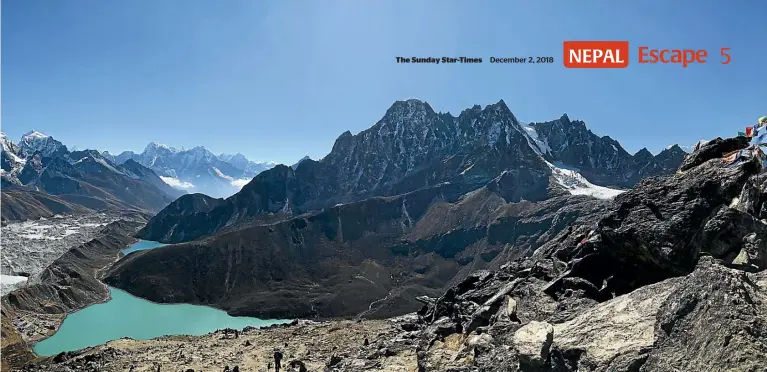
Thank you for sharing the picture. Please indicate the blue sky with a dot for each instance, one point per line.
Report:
(276, 80)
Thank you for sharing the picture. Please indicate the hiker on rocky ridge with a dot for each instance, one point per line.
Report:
(277, 359)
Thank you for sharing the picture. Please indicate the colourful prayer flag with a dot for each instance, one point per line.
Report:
(741, 134)
(749, 132)
(730, 158)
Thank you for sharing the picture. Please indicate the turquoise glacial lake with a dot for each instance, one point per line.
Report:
(142, 245)
(125, 315)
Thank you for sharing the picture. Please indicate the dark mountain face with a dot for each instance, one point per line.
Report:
(337, 262)
(602, 160)
(412, 147)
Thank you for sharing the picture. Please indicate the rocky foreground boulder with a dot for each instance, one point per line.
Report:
(669, 277)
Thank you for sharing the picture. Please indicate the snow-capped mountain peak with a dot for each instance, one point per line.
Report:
(154, 146)
(33, 134)
(35, 141)
(196, 168)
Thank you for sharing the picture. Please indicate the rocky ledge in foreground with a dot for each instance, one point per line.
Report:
(669, 278)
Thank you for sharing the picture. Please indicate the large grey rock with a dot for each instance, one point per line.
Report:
(613, 335)
(532, 342)
(715, 320)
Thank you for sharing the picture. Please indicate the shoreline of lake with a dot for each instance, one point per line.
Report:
(219, 318)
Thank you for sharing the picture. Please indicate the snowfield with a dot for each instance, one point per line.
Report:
(575, 184)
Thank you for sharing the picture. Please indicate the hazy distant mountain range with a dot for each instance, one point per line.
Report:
(196, 170)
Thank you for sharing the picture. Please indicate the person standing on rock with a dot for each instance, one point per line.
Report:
(277, 359)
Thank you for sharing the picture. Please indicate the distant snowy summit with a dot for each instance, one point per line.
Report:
(35, 141)
(196, 170)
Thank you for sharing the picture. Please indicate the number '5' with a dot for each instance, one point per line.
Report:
(724, 53)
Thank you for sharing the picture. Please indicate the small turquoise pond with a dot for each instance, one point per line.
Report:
(142, 245)
(125, 315)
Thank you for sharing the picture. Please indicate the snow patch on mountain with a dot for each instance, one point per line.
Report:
(537, 143)
(34, 135)
(576, 184)
(10, 149)
(177, 183)
(107, 165)
(236, 182)
(305, 158)
(240, 182)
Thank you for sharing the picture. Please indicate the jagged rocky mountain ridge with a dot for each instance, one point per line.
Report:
(195, 170)
(41, 177)
(601, 160)
(413, 147)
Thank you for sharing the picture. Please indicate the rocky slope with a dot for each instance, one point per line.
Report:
(372, 257)
(31, 205)
(71, 282)
(411, 148)
(672, 278)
